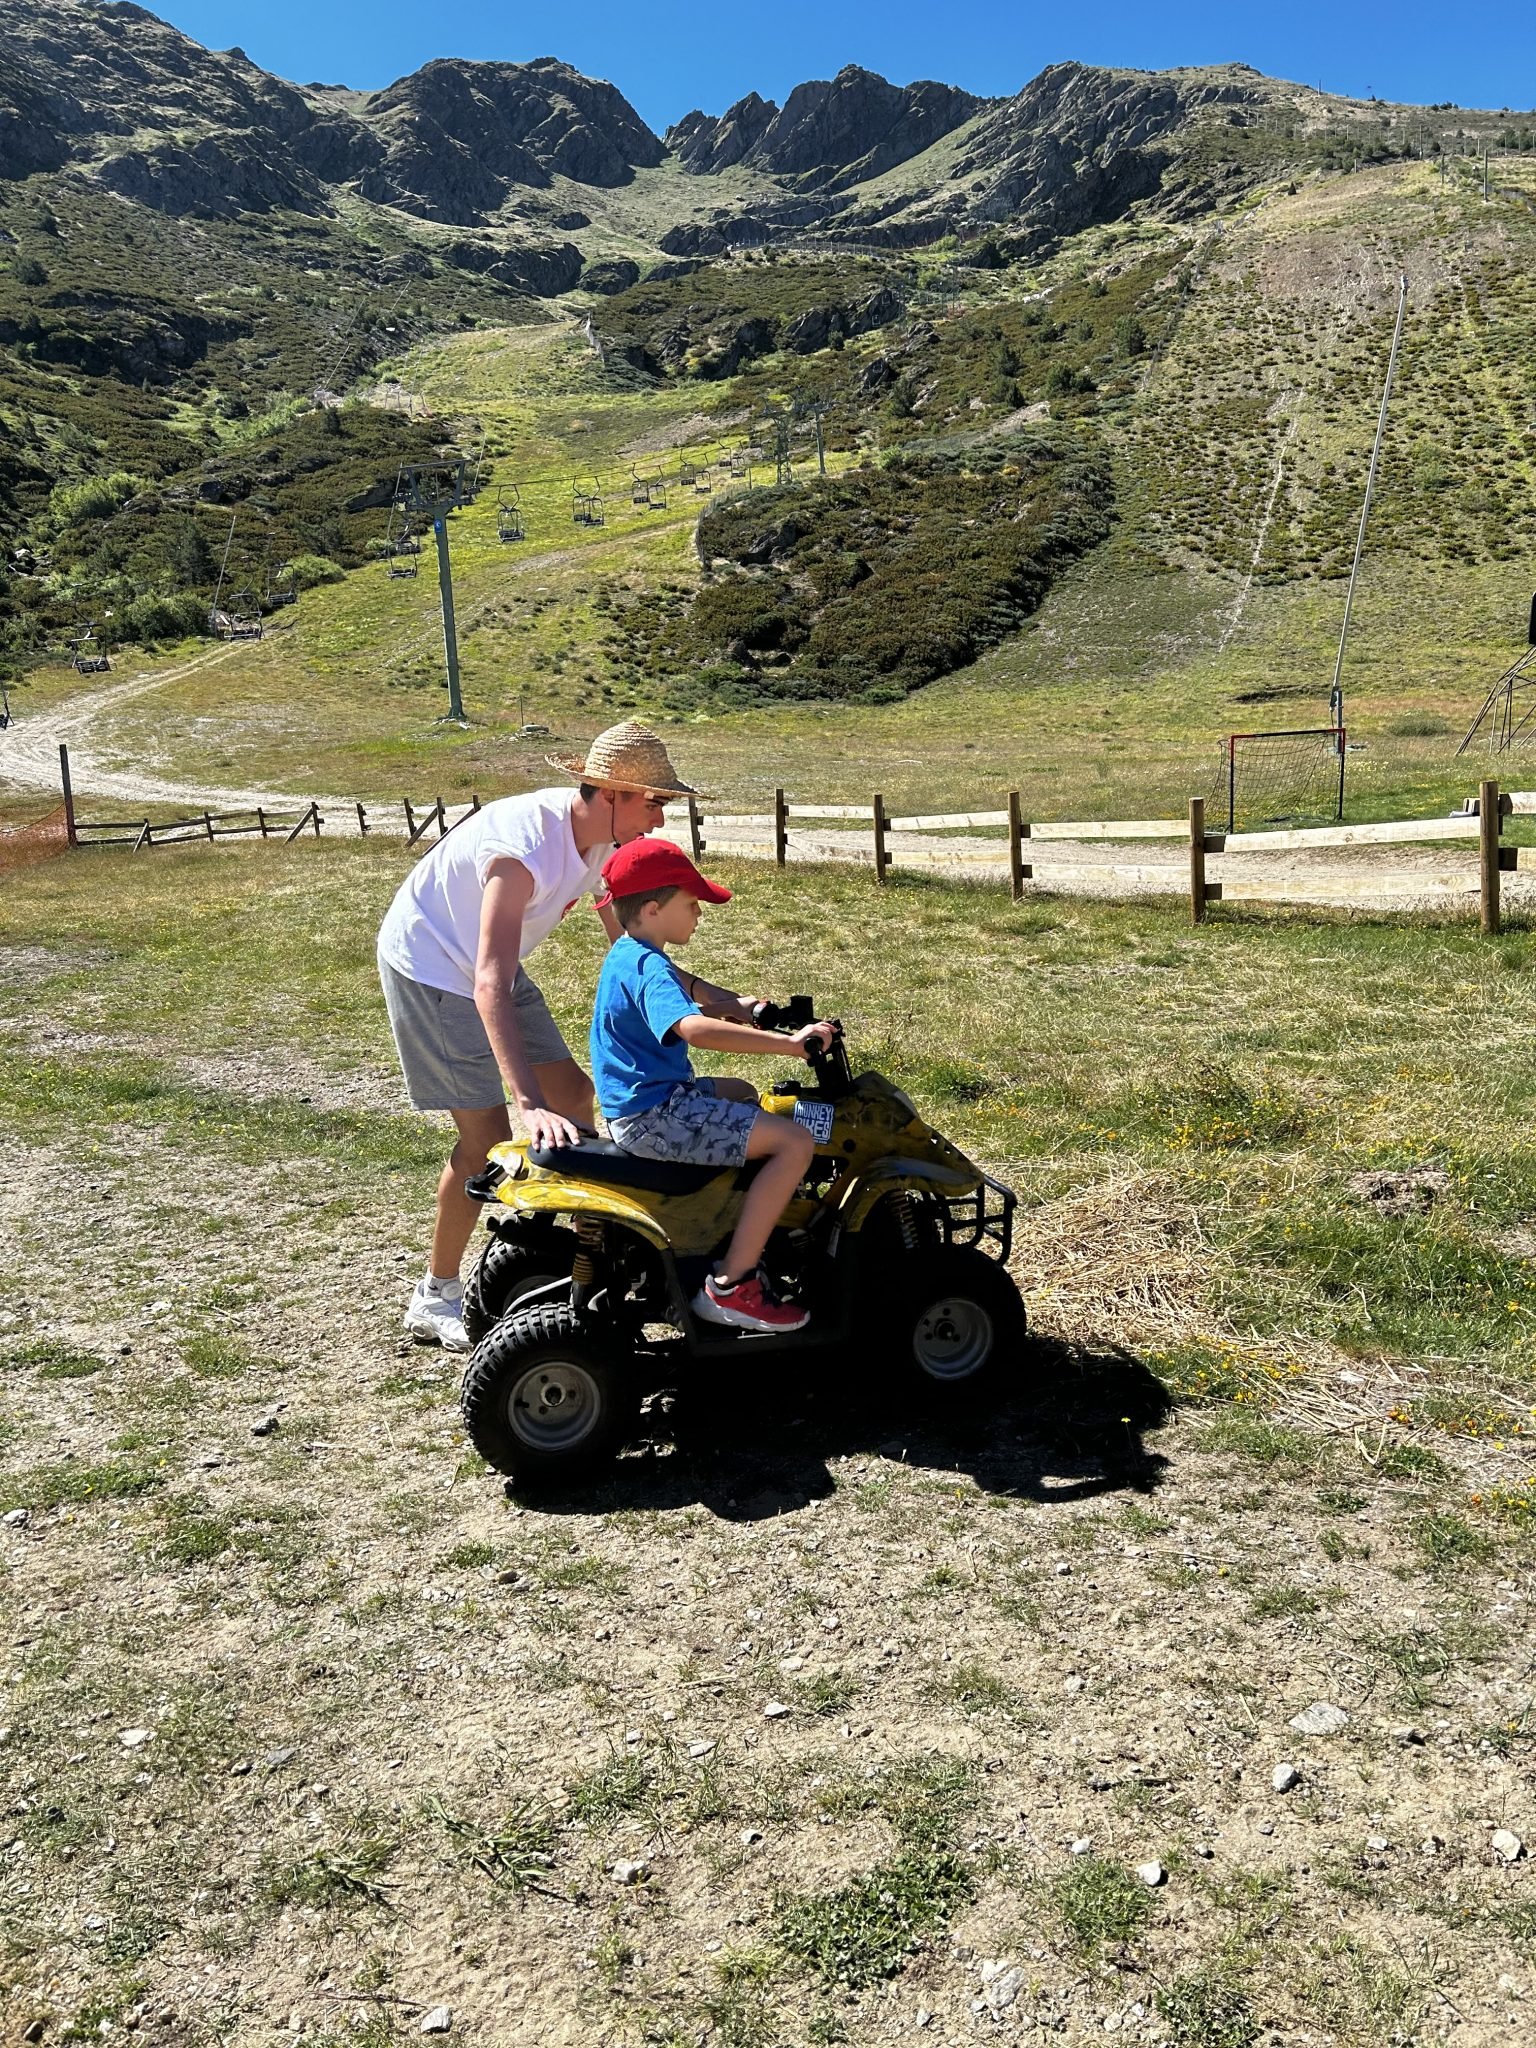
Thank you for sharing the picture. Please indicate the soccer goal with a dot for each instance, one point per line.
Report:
(1284, 778)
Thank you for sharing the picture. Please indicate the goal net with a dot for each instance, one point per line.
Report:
(1282, 778)
(40, 839)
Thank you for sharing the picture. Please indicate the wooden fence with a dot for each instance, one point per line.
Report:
(868, 829)
(144, 834)
(1020, 850)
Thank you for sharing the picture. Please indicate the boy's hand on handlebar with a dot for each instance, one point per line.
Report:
(809, 1037)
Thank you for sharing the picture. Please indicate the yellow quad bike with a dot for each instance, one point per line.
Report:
(895, 1242)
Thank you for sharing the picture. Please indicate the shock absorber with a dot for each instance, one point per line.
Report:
(589, 1240)
(906, 1223)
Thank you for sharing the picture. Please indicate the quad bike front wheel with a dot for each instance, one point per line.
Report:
(957, 1325)
(511, 1266)
(543, 1398)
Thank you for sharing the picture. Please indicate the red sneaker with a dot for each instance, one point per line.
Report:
(747, 1306)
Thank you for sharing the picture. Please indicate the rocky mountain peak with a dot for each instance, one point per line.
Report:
(830, 133)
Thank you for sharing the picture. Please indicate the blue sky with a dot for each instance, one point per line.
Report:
(706, 53)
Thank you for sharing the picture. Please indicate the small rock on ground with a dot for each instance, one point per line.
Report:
(1152, 1874)
(438, 2021)
(1507, 1845)
(1321, 1718)
(1286, 1778)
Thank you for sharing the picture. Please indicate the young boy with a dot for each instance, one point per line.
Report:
(643, 1024)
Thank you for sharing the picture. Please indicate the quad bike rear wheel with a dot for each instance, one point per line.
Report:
(510, 1267)
(957, 1325)
(544, 1399)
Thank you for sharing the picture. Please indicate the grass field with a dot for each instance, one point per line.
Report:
(309, 1729)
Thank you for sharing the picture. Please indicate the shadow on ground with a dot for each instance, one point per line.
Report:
(1073, 1426)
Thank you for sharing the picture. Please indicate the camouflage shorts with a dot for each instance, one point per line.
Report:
(693, 1125)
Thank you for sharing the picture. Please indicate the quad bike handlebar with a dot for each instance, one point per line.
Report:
(829, 1064)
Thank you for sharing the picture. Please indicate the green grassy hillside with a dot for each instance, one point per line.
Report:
(1226, 375)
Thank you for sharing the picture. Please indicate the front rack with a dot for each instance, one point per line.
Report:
(985, 1218)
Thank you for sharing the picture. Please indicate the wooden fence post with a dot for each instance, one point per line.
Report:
(410, 822)
(1018, 832)
(314, 812)
(696, 829)
(261, 819)
(474, 803)
(1197, 860)
(69, 796)
(1488, 826)
(208, 825)
(780, 828)
(882, 851)
(442, 820)
(362, 822)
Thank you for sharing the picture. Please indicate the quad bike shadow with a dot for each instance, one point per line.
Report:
(1074, 1429)
(592, 1370)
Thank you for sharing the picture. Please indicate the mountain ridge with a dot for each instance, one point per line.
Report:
(114, 93)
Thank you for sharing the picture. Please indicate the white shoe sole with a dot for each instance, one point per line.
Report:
(711, 1311)
(429, 1330)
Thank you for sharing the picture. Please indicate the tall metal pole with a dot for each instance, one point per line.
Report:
(1336, 694)
(450, 636)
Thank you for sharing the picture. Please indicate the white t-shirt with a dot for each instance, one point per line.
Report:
(431, 932)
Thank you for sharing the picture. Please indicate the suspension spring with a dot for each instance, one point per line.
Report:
(906, 1223)
(589, 1238)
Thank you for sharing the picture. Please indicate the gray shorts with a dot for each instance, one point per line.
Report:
(693, 1124)
(444, 1053)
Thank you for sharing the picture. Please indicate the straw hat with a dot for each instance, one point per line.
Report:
(628, 756)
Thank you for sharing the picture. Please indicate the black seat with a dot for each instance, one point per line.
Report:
(600, 1159)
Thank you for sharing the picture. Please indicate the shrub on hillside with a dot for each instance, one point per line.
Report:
(95, 497)
(309, 570)
(162, 618)
(867, 585)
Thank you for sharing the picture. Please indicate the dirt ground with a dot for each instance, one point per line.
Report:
(311, 1730)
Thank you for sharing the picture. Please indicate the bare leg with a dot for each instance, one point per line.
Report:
(737, 1091)
(564, 1087)
(567, 1089)
(479, 1130)
(788, 1150)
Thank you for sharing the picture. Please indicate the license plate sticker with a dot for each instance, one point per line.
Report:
(817, 1118)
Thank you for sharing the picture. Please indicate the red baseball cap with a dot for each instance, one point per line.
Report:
(656, 864)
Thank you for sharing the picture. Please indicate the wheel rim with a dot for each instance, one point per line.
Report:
(531, 1284)
(952, 1338)
(554, 1406)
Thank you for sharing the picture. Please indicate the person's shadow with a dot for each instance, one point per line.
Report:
(1069, 1423)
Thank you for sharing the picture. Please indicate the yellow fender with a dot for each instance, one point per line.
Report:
(904, 1176)
(530, 1192)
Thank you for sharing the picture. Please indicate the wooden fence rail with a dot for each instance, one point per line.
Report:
(769, 834)
(1037, 851)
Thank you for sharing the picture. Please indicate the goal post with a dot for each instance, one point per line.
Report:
(1284, 778)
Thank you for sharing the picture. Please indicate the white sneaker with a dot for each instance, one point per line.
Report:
(436, 1314)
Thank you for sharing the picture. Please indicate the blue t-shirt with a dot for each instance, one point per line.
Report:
(639, 999)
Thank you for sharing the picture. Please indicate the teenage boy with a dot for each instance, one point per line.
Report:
(470, 1025)
(648, 1014)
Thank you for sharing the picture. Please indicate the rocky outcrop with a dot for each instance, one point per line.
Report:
(615, 275)
(458, 137)
(1080, 145)
(830, 133)
(74, 77)
(712, 346)
(213, 178)
(704, 143)
(546, 270)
